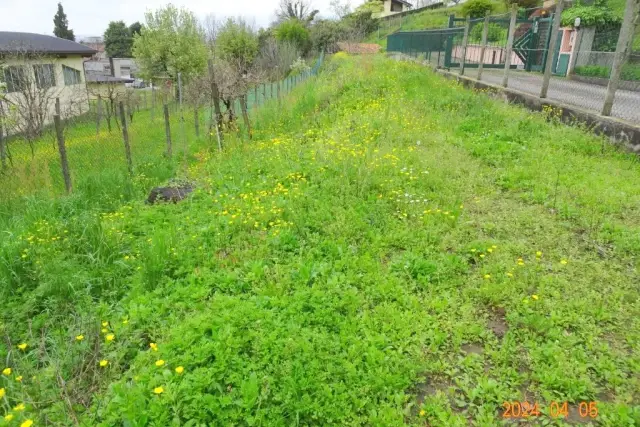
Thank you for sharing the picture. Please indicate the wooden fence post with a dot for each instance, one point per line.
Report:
(153, 102)
(197, 121)
(255, 96)
(62, 150)
(215, 94)
(483, 49)
(623, 48)
(167, 129)
(548, 68)
(512, 30)
(465, 41)
(125, 138)
(98, 114)
(278, 88)
(3, 149)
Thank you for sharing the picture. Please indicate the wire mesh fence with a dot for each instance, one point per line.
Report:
(131, 137)
(514, 50)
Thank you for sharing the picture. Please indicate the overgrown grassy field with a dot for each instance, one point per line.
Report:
(390, 249)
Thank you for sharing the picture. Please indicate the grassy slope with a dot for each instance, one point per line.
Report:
(355, 264)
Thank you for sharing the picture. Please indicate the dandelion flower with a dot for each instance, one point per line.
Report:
(23, 346)
(535, 297)
(110, 337)
(494, 247)
(489, 250)
(563, 262)
(105, 324)
(487, 276)
(538, 254)
(104, 363)
(153, 346)
(422, 413)
(158, 390)
(482, 255)
(159, 363)
(8, 417)
(179, 370)
(104, 330)
(2, 393)
(27, 423)
(510, 274)
(19, 378)
(20, 407)
(6, 371)
(79, 337)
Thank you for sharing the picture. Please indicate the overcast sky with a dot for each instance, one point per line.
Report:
(91, 17)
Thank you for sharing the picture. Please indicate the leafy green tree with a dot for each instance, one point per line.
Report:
(295, 32)
(237, 42)
(118, 40)
(326, 33)
(61, 25)
(495, 33)
(370, 6)
(135, 28)
(170, 42)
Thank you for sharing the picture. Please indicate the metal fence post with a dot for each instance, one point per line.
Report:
(196, 121)
(62, 150)
(623, 48)
(548, 68)
(485, 34)
(465, 40)
(512, 30)
(125, 138)
(167, 129)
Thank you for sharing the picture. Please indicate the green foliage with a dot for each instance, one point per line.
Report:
(495, 33)
(526, 4)
(630, 72)
(118, 40)
(477, 8)
(386, 252)
(170, 42)
(295, 32)
(598, 15)
(370, 6)
(61, 25)
(135, 28)
(237, 41)
(326, 33)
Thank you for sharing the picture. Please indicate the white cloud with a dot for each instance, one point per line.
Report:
(91, 17)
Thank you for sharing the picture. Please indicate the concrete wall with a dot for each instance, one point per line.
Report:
(73, 98)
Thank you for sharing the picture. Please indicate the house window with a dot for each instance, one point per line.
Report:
(16, 78)
(71, 76)
(45, 78)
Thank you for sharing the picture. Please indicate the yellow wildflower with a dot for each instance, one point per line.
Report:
(538, 254)
(6, 371)
(27, 423)
(110, 337)
(19, 378)
(105, 324)
(158, 390)
(2, 393)
(179, 370)
(489, 250)
(153, 346)
(487, 276)
(563, 262)
(79, 337)
(159, 363)
(535, 297)
(125, 321)
(104, 330)
(104, 363)
(422, 413)
(19, 408)
(510, 274)
(8, 417)
(23, 346)
(482, 255)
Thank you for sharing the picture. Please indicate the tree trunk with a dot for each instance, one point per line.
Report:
(245, 115)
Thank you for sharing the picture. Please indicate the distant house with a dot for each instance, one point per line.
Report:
(391, 7)
(107, 87)
(36, 69)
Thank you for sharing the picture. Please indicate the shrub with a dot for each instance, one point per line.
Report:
(630, 72)
(294, 32)
(496, 33)
(477, 8)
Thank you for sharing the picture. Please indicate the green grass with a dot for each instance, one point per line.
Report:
(390, 249)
